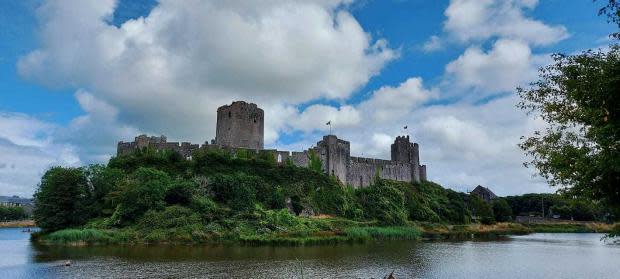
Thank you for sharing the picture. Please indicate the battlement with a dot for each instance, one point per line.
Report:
(240, 126)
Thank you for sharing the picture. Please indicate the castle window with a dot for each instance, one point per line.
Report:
(229, 114)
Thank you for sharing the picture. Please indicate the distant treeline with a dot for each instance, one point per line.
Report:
(555, 205)
(12, 213)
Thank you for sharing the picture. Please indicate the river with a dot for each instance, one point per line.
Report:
(530, 256)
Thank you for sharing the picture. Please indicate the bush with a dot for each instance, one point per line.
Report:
(180, 192)
(237, 191)
(172, 217)
(144, 190)
(384, 203)
(204, 206)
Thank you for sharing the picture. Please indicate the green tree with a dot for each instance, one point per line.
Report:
(102, 180)
(579, 97)
(61, 199)
(10, 213)
(481, 209)
(501, 210)
(612, 11)
(142, 191)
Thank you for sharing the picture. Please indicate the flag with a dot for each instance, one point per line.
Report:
(405, 127)
(328, 123)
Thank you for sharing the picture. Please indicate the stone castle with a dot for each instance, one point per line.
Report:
(241, 126)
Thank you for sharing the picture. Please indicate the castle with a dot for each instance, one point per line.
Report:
(241, 126)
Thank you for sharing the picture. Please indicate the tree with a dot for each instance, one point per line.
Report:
(144, 190)
(61, 199)
(10, 213)
(501, 210)
(481, 209)
(612, 11)
(102, 180)
(579, 98)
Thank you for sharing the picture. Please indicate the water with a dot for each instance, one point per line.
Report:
(531, 256)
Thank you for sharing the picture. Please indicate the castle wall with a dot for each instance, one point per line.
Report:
(300, 159)
(240, 125)
(362, 171)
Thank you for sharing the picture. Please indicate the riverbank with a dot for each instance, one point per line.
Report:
(310, 231)
(18, 224)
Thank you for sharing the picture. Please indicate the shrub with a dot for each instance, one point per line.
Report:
(180, 192)
(384, 203)
(204, 206)
(172, 217)
(144, 190)
(237, 191)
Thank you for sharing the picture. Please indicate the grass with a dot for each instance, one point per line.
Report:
(571, 228)
(85, 236)
(314, 232)
(366, 233)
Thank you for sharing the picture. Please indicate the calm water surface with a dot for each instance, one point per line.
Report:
(531, 256)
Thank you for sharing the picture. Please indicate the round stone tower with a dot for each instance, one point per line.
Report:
(240, 125)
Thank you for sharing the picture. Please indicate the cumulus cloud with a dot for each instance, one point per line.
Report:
(94, 134)
(173, 68)
(477, 20)
(508, 64)
(28, 150)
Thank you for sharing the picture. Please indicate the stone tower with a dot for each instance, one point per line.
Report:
(335, 155)
(240, 125)
(403, 151)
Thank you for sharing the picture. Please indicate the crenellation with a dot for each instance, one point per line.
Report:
(240, 126)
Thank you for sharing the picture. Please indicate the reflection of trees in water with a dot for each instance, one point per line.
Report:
(366, 260)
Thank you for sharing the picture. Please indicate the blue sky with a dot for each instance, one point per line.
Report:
(77, 76)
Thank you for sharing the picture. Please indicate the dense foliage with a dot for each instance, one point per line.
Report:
(561, 206)
(578, 97)
(155, 197)
(62, 200)
(12, 213)
(144, 188)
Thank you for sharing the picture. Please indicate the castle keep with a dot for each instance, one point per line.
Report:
(241, 126)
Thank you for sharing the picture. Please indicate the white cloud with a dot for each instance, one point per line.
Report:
(434, 43)
(464, 144)
(95, 133)
(508, 64)
(478, 20)
(388, 103)
(173, 68)
(28, 150)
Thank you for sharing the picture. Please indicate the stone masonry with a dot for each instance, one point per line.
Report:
(241, 126)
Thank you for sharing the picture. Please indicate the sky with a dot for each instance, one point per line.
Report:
(76, 77)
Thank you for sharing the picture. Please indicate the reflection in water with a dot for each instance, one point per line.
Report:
(531, 256)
